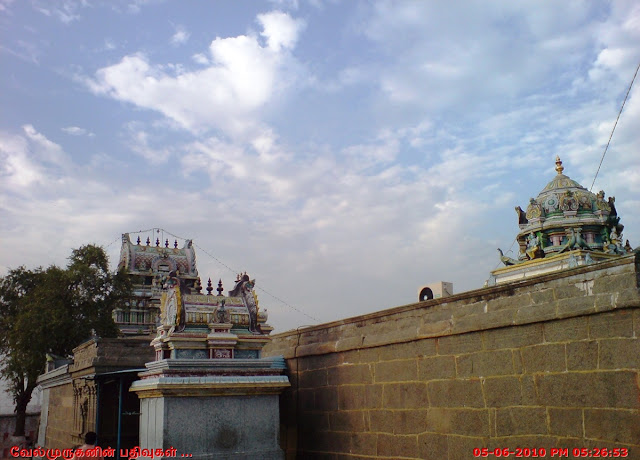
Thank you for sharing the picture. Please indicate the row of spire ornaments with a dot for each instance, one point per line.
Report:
(166, 243)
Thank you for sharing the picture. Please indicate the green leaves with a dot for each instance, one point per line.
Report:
(54, 311)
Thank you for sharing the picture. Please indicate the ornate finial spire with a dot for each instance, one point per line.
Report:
(166, 243)
(198, 286)
(148, 241)
(209, 287)
(559, 166)
(157, 242)
(138, 240)
(220, 289)
(175, 244)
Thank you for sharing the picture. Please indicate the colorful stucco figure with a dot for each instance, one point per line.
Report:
(244, 289)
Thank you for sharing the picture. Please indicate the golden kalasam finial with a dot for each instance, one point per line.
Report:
(559, 166)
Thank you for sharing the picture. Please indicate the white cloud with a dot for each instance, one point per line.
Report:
(65, 11)
(180, 37)
(243, 76)
(280, 30)
(77, 131)
(200, 59)
(139, 141)
(30, 159)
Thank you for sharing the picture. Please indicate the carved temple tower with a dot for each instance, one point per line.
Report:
(563, 227)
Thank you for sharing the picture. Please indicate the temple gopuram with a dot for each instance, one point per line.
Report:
(565, 226)
(147, 264)
(176, 338)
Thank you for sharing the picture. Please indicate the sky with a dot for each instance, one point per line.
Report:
(342, 153)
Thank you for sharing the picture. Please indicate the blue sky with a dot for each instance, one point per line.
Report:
(342, 153)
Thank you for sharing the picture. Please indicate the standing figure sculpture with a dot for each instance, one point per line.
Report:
(244, 288)
(173, 311)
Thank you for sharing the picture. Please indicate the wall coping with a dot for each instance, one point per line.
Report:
(435, 307)
(54, 378)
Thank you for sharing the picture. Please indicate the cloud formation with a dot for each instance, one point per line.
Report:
(243, 75)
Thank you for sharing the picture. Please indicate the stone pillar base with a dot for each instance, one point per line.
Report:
(208, 412)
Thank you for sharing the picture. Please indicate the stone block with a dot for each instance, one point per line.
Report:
(544, 358)
(484, 363)
(614, 283)
(509, 302)
(373, 396)
(434, 329)
(566, 330)
(605, 302)
(627, 298)
(413, 349)
(528, 390)
(582, 356)
(368, 355)
(396, 371)
(513, 421)
(310, 363)
(616, 426)
(568, 292)
(620, 354)
(437, 367)
(307, 399)
(489, 320)
(348, 344)
(565, 422)
(381, 421)
(521, 442)
(396, 446)
(347, 420)
(502, 391)
(326, 398)
(405, 395)
(536, 313)
(455, 393)
(612, 324)
(614, 389)
(314, 421)
(412, 421)
(351, 397)
(364, 443)
(462, 343)
(350, 374)
(470, 309)
(432, 446)
(543, 296)
(468, 422)
(516, 358)
(574, 306)
(313, 379)
(513, 337)
(313, 349)
(461, 447)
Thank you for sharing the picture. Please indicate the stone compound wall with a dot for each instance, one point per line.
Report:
(551, 362)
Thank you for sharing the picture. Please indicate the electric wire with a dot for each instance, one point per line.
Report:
(158, 230)
(614, 126)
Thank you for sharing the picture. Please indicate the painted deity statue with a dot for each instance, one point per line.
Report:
(244, 289)
(173, 314)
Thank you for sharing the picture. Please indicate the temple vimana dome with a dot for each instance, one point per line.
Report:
(565, 226)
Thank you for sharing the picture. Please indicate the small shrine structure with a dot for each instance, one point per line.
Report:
(565, 226)
(208, 393)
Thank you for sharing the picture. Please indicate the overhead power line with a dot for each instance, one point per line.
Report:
(614, 126)
(230, 269)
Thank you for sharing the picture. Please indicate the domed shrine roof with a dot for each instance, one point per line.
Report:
(566, 223)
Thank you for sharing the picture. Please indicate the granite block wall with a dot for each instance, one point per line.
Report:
(552, 362)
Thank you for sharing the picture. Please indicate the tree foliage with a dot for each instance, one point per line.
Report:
(53, 311)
